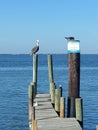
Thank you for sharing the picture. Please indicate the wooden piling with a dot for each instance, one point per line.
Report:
(50, 68)
(57, 100)
(61, 90)
(30, 91)
(30, 113)
(74, 74)
(79, 111)
(62, 107)
(71, 107)
(34, 125)
(34, 89)
(33, 113)
(52, 93)
(35, 68)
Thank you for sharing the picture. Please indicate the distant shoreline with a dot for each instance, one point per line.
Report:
(44, 54)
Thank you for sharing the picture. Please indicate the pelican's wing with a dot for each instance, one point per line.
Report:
(34, 50)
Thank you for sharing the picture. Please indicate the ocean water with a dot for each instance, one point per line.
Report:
(16, 74)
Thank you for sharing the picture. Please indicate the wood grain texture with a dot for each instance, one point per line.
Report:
(47, 118)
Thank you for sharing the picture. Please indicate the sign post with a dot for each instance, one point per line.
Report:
(74, 68)
(74, 75)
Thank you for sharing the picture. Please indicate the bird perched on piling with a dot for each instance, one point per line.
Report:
(70, 38)
(35, 49)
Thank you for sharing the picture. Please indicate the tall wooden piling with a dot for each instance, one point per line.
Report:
(35, 67)
(50, 68)
(74, 75)
(30, 92)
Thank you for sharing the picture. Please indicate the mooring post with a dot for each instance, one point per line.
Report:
(74, 75)
(62, 107)
(35, 70)
(34, 125)
(33, 113)
(34, 89)
(50, 68)
(30, 93)
(79, 111)
(57, 100)
(71, 107)
(52, 93)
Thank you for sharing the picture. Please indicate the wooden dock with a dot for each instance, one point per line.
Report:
(48, 119)
(47, 111)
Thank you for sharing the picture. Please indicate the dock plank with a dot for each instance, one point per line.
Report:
(47, 118)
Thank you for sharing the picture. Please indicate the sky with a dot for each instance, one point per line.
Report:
(22, 22)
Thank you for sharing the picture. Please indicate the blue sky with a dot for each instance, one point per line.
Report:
(22, 22)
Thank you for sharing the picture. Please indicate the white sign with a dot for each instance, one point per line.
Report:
(73, 46)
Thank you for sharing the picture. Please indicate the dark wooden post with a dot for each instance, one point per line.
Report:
(33, 113)
(74, 75)
(71, 107)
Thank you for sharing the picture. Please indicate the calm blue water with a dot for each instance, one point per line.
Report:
(16, 74)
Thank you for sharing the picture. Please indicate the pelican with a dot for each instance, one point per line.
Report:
(70, 38)
(35, 49)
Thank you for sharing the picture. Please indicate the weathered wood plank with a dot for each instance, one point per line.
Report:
(58, 124)
(47, 118)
